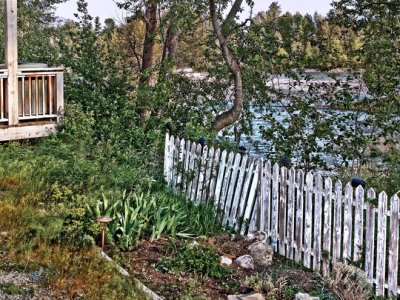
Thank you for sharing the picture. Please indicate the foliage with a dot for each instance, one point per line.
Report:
(198, 259)
(349, 282)
(152, 216)
(11, 288)
(264, 284)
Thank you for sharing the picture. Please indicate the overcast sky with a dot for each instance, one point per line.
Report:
(108, 9)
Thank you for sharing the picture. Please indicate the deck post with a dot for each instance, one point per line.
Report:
(60, 95)
(11, 59)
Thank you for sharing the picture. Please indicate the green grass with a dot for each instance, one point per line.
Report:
(11, 288)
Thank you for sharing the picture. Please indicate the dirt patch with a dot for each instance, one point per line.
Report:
(145, 259)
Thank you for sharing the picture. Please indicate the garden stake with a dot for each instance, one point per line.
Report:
(103, 221)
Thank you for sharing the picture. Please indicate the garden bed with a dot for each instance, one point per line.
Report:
(157, 264)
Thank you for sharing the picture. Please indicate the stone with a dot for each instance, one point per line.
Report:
(226, 261)
(261, 253)
(256, 296)
(193, 244)
(304, 296)
(245, 262)
(250, 237)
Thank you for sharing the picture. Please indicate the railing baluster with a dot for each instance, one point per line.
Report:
(30, 94)
(37, 95)
(44, 105)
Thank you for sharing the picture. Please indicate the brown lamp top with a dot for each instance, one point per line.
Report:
(103, 219)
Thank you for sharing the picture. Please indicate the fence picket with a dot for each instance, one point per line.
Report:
(275, 199)
(180, 163)
(232, 187)
(196, 171)
(166, 149)
(290, 214)
(220, 178)
(381, 245)
(370, 235)
(203, 161)
(185, 170)
(250, 201)
(393, 246)
(348, 207)
(175, 170)
(244, 193)
(358, 223)
(317, 223)
(337, 223)
(299, 215)
(326, 257)
(308, 220)
(236, 197)
(190, 173)
(207, 175)
(225, 183)
(266, 195)
(282, 211)
(260, 201)
(171, 147)
(217, 161)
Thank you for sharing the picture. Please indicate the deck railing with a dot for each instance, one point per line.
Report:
(39, 94)
(309, 219)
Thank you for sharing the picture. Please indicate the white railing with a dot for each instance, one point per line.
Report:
(308, 218)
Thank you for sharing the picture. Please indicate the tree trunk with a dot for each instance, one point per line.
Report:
(232, 115)
(147, 77)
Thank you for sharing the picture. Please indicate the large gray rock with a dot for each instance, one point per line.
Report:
(245, 262)
(256, 296)
(261, 253)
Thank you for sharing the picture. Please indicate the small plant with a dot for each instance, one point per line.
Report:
(349, 283)
(11, 288)
(197, 259)
(262, 283)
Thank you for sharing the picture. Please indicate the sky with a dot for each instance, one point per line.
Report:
(108, 9)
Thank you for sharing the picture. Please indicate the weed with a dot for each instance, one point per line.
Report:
(349, 282)
(11, 288)
(197, 259)
(262, 283)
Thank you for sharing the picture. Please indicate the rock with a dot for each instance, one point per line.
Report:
(245, 262)
(261, 253)
(4, 233)
(250, 237)
(193, 244)
(256, 296)
(261, 236)
(304, 296)
(258, 235)
(226, 261)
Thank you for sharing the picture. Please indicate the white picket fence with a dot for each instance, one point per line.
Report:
(308, 218)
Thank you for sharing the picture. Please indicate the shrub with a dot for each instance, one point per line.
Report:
(349, 283)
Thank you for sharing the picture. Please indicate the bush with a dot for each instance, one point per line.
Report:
(349, 283)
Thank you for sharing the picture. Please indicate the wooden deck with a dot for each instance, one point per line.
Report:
(40, 103)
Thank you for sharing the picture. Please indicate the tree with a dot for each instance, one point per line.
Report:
(220, 31)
